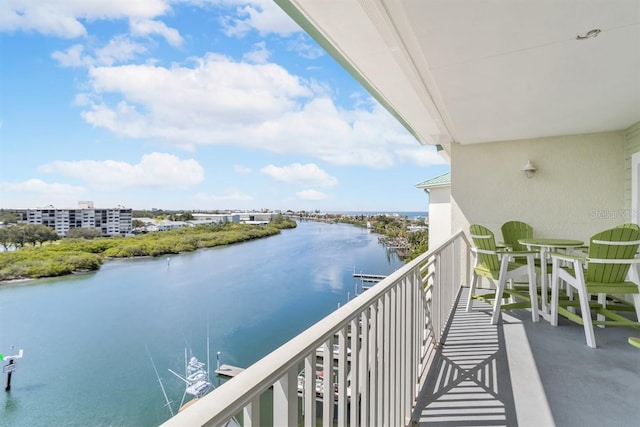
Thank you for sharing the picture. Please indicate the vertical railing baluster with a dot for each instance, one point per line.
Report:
(365, 368)
(446, 283)
(406, 333)
(251, 413)
(380, 363)
(456, 271)
(354, 372)
(391, 346)
(342, 377)
(285, 399)
(396, 399)
(309, 393)
(373, 364)
(419, 332)
(327, 383)
(436, 297)
(400, 349)
(386, 341)
(412, 336)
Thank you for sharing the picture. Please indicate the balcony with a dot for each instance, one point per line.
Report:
(422, 360)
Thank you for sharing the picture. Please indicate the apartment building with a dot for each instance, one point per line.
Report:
(110, 222)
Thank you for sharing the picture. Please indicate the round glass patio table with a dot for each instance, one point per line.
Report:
(544, 246)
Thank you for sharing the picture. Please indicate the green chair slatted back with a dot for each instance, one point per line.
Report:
(611, 273)
(513, 231)
(630, 225)
(484, 239)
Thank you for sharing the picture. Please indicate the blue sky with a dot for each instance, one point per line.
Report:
(191, 104)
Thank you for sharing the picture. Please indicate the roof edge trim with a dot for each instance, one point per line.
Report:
(294, 13)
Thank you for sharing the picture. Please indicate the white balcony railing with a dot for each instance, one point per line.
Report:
(385, 339)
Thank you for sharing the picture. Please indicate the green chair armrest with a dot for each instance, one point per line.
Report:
(566, 257)
(513, 255)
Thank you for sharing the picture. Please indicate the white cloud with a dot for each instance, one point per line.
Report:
(146, 27)
(41, 190)
(154, 170)
(304, 48)
(219, 101)
(259, 54)
(72, 57)
(263, 16)
(118, 50)
(296, 173)
(63, 18)
(312, 195)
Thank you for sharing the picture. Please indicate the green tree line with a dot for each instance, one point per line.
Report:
(22, 234)
(70, 255)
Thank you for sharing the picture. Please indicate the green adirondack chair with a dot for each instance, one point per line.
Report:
(630, 225)
(513, 231)
(497, 265)
(604, 271)
(614, 302)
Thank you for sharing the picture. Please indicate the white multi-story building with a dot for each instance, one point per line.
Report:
(110, 222)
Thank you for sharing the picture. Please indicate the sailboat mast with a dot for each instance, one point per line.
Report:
(164, 393)
(186, 368)
(208, 370)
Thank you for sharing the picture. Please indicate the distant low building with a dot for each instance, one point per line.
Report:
(204, 218)
(165, 224)
(256, 217)
(110, 222)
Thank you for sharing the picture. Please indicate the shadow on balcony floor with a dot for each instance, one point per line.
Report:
(529, 374)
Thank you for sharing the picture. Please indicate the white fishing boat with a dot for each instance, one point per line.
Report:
(197, 383)
(196, 379)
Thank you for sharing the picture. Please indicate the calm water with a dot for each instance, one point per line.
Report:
(84, 336)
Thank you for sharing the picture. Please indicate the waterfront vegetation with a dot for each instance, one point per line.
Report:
(395, 232)
(42, 254)
(70, 255)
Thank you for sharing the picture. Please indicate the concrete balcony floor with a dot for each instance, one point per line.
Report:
(530, 374)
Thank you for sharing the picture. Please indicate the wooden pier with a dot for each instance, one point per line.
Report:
(369, 278)
(229, 371)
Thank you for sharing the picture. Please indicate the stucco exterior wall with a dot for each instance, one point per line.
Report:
(632, 139)
(439, 215)
(578, 189)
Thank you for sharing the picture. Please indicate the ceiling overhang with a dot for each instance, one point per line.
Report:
(470, 72)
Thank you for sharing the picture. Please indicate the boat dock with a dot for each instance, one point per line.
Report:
(229, 370)
(369, 278)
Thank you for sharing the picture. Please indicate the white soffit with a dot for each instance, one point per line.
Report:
(477, 71)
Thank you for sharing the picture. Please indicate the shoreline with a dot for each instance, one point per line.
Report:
(14, 281)
(135, 257)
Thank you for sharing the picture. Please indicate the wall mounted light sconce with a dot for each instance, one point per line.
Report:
(529, 169)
